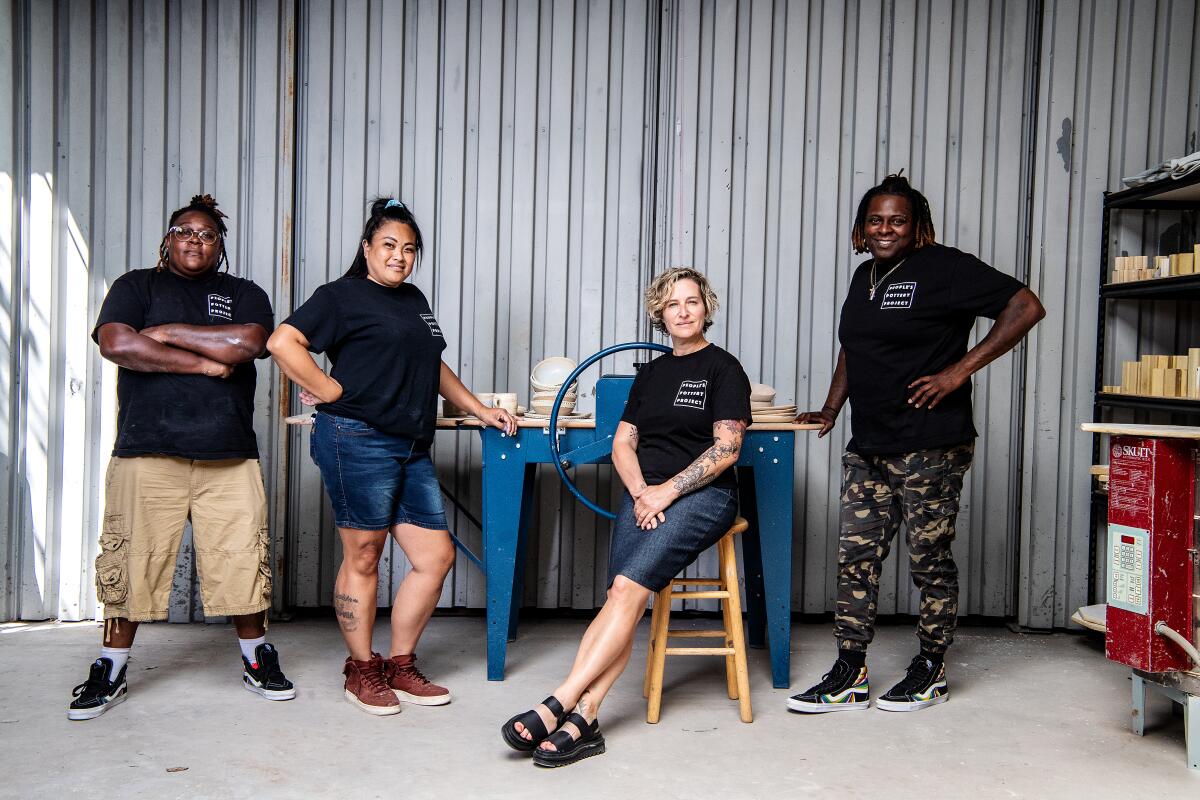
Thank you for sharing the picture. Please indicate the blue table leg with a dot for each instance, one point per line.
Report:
(756, 606)
(773, 472)
(518, 591)
(504, 476)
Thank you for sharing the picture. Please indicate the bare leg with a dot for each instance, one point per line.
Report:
(588, 706)
(250, 626)
(354, 590)
(119, 632)
(606, 644)
(431, 554)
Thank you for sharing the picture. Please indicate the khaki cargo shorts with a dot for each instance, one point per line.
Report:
(147, 501)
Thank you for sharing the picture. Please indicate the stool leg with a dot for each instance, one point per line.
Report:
(659, 656)
(1137, 719)
(655, 621)
(730, 666)
(1191, 729)
(735, 630)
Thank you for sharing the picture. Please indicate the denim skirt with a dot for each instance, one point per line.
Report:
(693, 523)
(374, 479)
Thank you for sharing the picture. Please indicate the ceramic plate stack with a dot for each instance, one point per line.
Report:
(545, 381)
(763, 407)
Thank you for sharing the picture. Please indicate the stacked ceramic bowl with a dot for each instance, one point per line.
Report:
(545, 382)
(763, 407)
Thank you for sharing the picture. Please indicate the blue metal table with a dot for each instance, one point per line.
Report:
(765, 473)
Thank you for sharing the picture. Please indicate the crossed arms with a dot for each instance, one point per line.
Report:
(212, 350)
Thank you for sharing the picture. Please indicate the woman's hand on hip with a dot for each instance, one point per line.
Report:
(499, 418)
(649, 506)
(932, 389)
(826, 418)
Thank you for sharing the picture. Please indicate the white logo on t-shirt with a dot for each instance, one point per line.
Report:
(691, 394)
(899, 295)
(433, 325)
(219, 306)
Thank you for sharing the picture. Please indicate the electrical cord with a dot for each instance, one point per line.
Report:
(1162, 629)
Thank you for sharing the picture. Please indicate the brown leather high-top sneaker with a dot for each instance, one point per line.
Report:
(367, 686)
(410, 685)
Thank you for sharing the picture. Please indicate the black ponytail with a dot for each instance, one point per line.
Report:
(383, 209)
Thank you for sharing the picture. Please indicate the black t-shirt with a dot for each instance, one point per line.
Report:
(674, 402)
(386, 350)
(918, 324)
(187, 416)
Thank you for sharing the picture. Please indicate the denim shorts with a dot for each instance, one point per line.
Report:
(693, 523)
(375, 479)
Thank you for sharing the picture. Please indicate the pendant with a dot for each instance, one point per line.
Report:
(871, 293)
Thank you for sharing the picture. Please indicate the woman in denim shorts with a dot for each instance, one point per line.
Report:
(376, 413)
(681, 432)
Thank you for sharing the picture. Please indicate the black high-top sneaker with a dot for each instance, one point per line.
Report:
(264, 677)
(843, 688)
(923, 685)
(98, 694)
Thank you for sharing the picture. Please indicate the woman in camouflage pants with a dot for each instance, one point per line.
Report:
(905, 368)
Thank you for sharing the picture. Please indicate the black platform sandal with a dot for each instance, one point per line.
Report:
(533, 723)
(568, 750)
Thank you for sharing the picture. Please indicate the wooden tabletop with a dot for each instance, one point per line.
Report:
(1136, 429)
(453, 423)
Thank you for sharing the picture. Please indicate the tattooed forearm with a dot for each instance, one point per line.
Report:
(729, 434)
(343, 606)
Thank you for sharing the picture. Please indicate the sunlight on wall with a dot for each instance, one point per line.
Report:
(38, 376)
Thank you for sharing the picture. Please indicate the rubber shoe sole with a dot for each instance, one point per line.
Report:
(270, 694)
(417, 700)
(78, 714)
(906, 705)
(586, 751)
(805, 707)
(378, 711)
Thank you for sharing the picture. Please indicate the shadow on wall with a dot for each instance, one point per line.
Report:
(20, 598)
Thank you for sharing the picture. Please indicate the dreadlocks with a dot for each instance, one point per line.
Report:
(896, 186)
(206, 204)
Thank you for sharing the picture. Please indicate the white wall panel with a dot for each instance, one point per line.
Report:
(557, 154)
(192, 98)
(1118, 93)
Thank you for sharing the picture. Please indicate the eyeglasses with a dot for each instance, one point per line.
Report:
(205, 235)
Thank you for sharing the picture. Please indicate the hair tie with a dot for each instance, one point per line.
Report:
(394, 203)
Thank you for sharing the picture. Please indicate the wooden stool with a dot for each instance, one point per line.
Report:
(727, 589)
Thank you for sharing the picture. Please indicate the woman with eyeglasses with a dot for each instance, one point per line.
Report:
(376, 412)
(185, 335)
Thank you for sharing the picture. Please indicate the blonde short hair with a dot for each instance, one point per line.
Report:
(658, 293)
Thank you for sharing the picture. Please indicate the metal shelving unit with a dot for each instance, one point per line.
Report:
(1169, 195)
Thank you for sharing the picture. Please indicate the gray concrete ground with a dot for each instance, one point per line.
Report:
(1030, 716)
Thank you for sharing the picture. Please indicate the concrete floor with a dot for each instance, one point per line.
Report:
(1031, 716)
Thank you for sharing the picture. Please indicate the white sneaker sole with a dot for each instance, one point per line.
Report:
(92, 713)
(439, 700)
(378, 711)
(269, 694)
(893, 705)
(824, 708)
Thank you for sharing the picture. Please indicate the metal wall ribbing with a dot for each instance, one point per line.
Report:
(116, 114)
(557, 154)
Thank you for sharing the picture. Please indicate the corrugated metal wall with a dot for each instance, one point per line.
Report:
(1119, 91)
(558, 153)
(192, 97)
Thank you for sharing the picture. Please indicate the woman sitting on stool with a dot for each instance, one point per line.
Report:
(681, 431)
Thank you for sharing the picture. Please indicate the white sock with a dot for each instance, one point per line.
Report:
(118, 656)
(248, 646)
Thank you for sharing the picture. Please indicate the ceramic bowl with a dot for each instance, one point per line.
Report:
(538, 407)
(760, 391)
(551, 372)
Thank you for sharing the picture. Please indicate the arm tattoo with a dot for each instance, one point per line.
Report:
(633, 436)
(707, 465)
(343, 606)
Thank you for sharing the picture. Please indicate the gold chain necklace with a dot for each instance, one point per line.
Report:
(875, 283)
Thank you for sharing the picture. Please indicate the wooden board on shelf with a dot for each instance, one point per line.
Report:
(1139, 429)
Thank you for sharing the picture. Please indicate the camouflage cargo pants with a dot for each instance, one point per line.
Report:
(920, 490)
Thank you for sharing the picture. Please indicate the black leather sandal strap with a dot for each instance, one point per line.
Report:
(532, 722)
(555, 707)
(579, 722)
